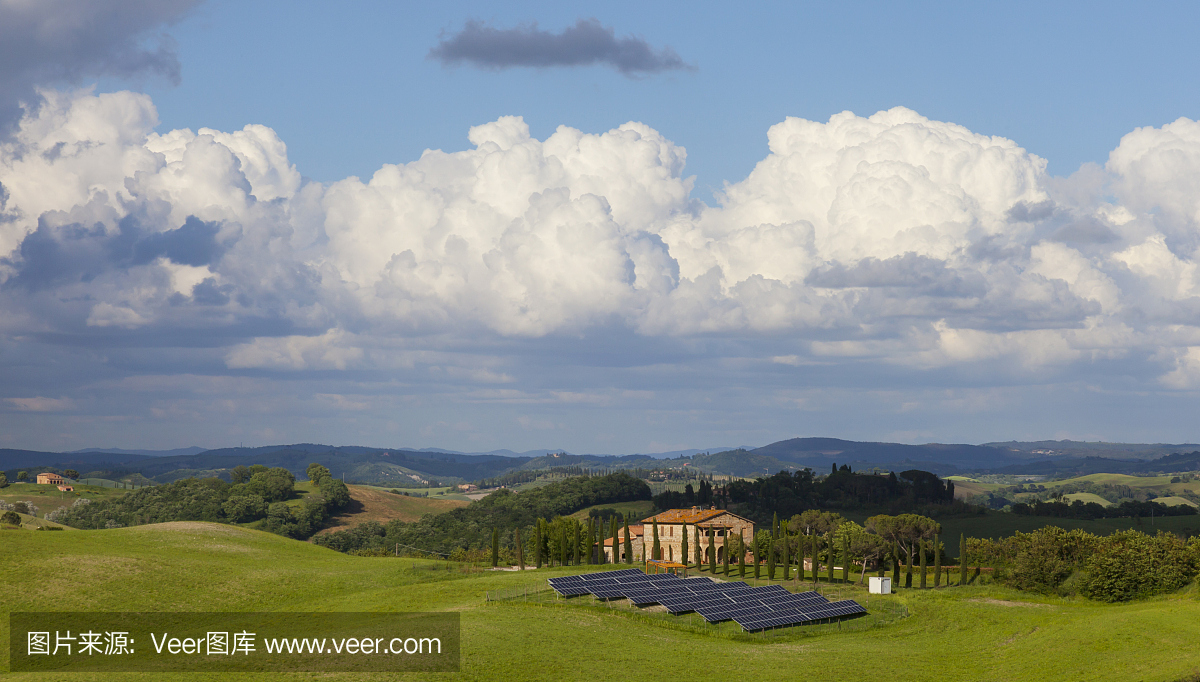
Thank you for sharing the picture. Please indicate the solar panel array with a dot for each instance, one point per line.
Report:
(753, 608)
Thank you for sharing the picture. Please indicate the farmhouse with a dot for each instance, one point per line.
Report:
(714, 523)
(50, 479)
(636, 531)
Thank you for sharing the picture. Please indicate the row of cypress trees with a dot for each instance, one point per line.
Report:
(596, 534)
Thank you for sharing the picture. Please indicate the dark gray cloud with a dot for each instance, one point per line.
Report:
(52, 42)
(928, 275)
(584, 44)
(51, 256)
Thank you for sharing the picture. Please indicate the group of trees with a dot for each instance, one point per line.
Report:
(471, 527)
(1118, 567)
(1092, 510)
(790, 493)
(256, 493)
(690, 496)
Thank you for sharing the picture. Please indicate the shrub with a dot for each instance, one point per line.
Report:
(10, 517)
(1130, 564)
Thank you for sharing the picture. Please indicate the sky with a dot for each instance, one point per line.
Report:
(611, 229)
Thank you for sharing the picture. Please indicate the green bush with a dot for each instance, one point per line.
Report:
(11, 518)
(1130, 565)
(242, 508)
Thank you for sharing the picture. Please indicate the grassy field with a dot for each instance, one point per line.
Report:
(368, 503)
(1172, 501)
(47, 498)
(971, 633)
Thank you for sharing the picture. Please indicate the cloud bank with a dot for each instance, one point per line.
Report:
(881, 251)
(584, 44)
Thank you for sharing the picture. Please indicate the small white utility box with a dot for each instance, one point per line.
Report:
(880, 585)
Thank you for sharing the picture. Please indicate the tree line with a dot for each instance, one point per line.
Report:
(1079, 509)
(788, 493)
(255, 493)
(471, 527)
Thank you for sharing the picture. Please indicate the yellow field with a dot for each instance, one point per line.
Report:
(1173, 501)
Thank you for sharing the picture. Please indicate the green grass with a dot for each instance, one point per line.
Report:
(1172, 501)
(952, 634)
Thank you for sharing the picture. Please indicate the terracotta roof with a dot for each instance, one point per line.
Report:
(692, 515)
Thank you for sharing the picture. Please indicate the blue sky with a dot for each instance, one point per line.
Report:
(985, 249)
(349, 86)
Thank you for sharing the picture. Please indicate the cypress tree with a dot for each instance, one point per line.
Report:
(742, 553)
(520, 551)
(699, 562)
(757, 566)
(787, 559)
(657, 553)
(575, 545)
(628, 545)
(588, 541)
(937, 562)
(921, 545)
(845, 559)
(962, 559)
(829, 562)
(725, 553)
(895, 565)
(537, 543)
(712, 552)
(816, 550)
(770, 558)
(495, 547)
(775, 527)
(616, 552)
(683, 548)
(562, 542)
(908, 566)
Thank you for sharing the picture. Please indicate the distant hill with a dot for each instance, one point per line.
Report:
(194, 450)
(1082, 449)
(821, 453)
(1082, 466)
(405, 467)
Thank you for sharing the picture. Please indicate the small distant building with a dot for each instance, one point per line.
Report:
(50, 479)
(718, 524)
(66, 488)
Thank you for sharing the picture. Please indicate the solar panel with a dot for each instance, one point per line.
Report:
(781, 618)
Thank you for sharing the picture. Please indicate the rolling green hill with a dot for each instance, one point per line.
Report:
(973, 633)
